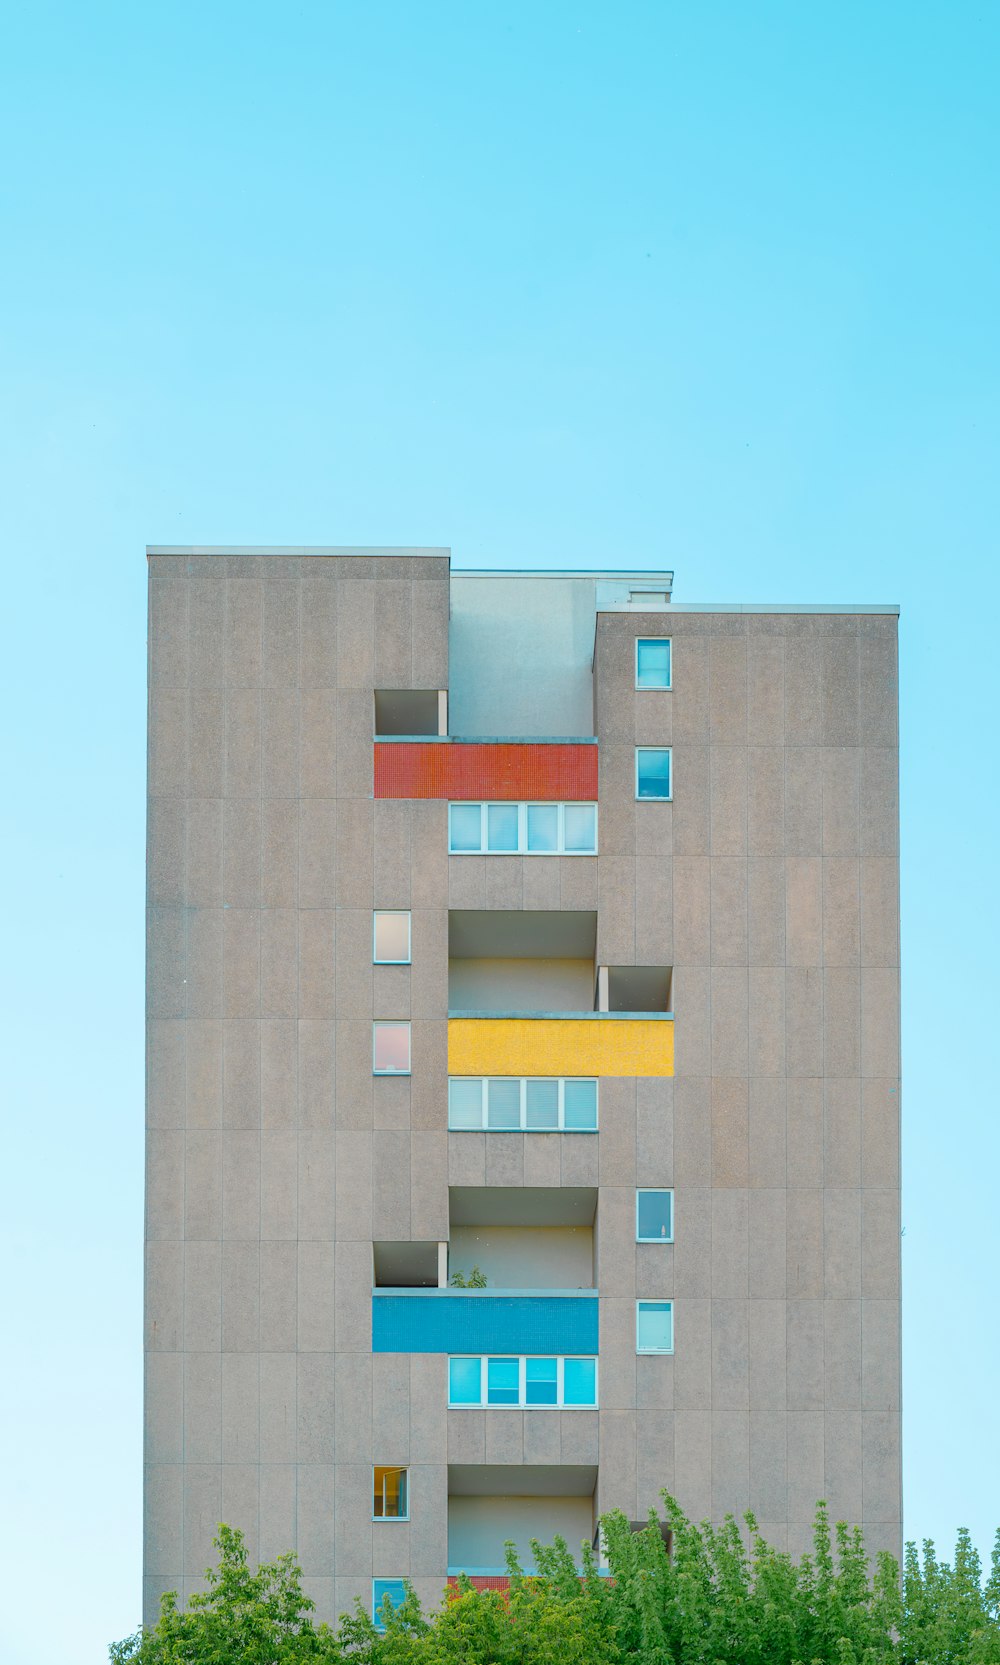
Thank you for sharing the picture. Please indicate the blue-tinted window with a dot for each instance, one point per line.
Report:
(580, 1106)
(465, 1381)
(540, 1381)
(502, 1381)
(654, 1216)
(654, 1327)
(503, 1102)
(652, 772)
(465, 1104)
(501, 826)
(579, 1381)
(652, 662)
(466, 827)
(543, 827)
(580, 828)
(542, 1104)
(394, 1588)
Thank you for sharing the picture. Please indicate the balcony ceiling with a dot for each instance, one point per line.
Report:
(483, 934)
(521, 1479)
(536, 1205)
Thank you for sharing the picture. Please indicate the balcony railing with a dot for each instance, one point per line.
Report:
(561, 1044)
(518, 1321)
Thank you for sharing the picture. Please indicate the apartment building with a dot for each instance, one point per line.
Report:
(523, 1011)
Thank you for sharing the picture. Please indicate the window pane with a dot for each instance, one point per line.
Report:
(579, 1382)
(466, 827)
(653, 1216)
(394, 1588)
(543, 827)
(504, 1103)
(655, 1327)
(580, 1105)
(652, 663)
(580, 827)
(501, 826)
(390, 1494)
(542, 1108)
(392, 1048)
(502, 1381)
(392, 939)
(465, 1382)
(465, 1104)
(652, 772)
(540, 1381)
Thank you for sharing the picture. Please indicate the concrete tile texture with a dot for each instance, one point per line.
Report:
(275, 1160)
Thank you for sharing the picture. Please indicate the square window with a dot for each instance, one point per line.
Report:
(580, 828)
(392, 1588)
(465, 1381)
(654, 1216)
(654, 1327)
(392, 939)
(465, 827)
(501, 826)
(390, 1500)
(579, 1381)
(540, 1386)
(543, 828)
(580, 1106)
(503, 1103)
(465, 1104)
(652, 662)
(652, 772)
(542, 1109)
(503, 1381)
(390, 1048)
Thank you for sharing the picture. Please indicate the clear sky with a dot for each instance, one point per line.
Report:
(706, 285)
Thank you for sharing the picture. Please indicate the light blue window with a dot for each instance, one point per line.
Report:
(654, 1216)
(652, 662)
(540, 1381)
(501, 826)
(394, 1588)
(503, 1103)
(503, 1381)
(465, 1104)
(579, 1381)
(652, 772)
(654, 1327)
(543, 827)
(465, 1381)
(580, 1106)
(465, 827)
(542, 1106)
(580, 828)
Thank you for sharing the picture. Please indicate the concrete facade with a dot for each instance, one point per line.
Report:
(276, 1159)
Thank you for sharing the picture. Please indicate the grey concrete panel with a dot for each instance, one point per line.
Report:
(163, 1429)
(842, 1132)
(279, 877)
(579, 1153)
(803, 911)
(391, 1408)
(278, 1074)
(206, 740)
(765, 800)
(241, 1411)
(279, 744)
(729, 911)
(768, 1466)
(766, 1132)
(693, 1353)
(241, 630)
(768, 1346)
(319, 1064)
(618, 1355)
(842, 1021)
(278, 1262)
(278, 1390)
(842, 1242)
(692, 800)
(241, 1185)
(693, 1247)
(278, 1186)
(693, 1038)
(279, 983)
(766, 911)
(728, 777)
(240, 1327)
(805, 1356)
(730, 1131)
(202, 1297)
(841, 911)
(805, 1244)
(804, 1134)
(163, 1520)
(203, 853)
(654, 1389)
(164, 1183)
(730, 1021)
(202, 1513)
(879, 813)
(730, 1355)
(616, 1481)
(880, 1243)
(693, 1461)
(803, 802)
(319, 853)
(321, 1275)
(880, 1355)
(730, 1244)
(880, 1133)
(353, 1185)
(768, 1224)
(579, 1436)
(202, 1185)
(842, 1352)
(806, 1463)
(241, 1074)
(767, 1020)
(841, 801)
(352, 1286)
(881, 1466)
(243, 749)
(319, 1423)
(356, 634)
(355, 762)
(541, 1438)
(804, 1021)
(165, 1073)
(240, 963)
(692, 909)
(164, 1297)
(168, 745)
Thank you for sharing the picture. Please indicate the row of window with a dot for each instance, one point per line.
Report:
(523, 1382)
(522, 829)
(550, 1104)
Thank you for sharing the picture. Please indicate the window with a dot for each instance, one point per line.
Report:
(391, 1498)
(393, 1589)
(654, 1326)
(652, 662)
(652, 772)
(523, 1382)
(507, 1104)
(522, 829)
(654, 1216)
(390, 1049)
(392, 939)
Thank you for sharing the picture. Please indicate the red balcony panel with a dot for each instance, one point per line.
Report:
(482, 1581)
(509, 771)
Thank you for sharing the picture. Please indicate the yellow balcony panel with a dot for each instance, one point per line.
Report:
(602, 1043)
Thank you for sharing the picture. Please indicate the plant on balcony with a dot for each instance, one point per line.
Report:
(471, 1280)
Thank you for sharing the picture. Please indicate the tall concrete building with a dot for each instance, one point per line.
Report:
(447, 1241)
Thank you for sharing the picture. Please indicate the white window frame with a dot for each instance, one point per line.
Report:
(665, 798)
(393, 1023)
(654, 1191)
(392, 913)
(391, 1468)
(483, 1404)
(522, 1126)
(658, 687)
(654, 1352)
(522, 827)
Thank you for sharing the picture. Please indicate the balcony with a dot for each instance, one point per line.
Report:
(498, 771)
(482, 1321)
(490, 1504)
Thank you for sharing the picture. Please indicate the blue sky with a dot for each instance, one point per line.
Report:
(705, 285)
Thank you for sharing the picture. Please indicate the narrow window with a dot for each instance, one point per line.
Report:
(652, 772)
(542, 1108)
(543, 828)
(654, 1216)
(391, 1049)
(503, 1381)
(541, 1385)
(580, 1106)
(580, 829)
(579, 1381)
(465, 1104)
(654, 1326)
(503, 1103)
(392, 939)
(465, 827)
(392, 1590)
(501, 827)
(465, 1381)
(652, 662)
(391, 1500)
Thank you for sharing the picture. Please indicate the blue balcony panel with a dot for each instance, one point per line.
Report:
(468, 1321)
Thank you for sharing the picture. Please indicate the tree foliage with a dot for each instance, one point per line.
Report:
(721, 1596)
